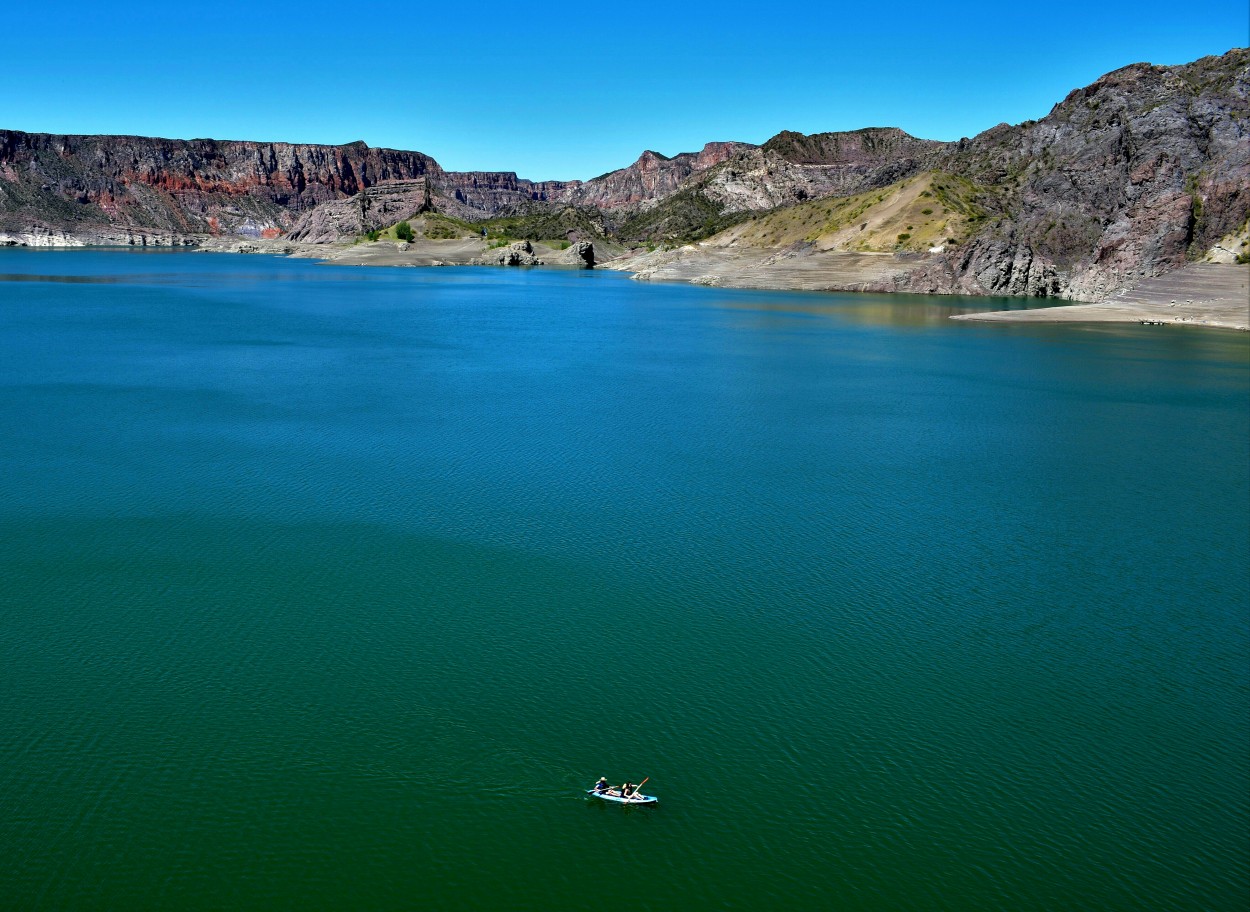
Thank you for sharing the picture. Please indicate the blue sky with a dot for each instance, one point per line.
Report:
(564, 90)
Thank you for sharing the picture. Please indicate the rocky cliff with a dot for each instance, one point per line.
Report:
(93, 187)
(650, 179)
(1122, 180)
(133, 189)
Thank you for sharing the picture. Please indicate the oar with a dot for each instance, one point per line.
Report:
(636, 788)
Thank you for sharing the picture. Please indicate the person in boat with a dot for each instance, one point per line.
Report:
(628, 789)
(602, 785)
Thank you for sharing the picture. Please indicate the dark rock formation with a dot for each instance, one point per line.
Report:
(519, 253)
(1123, 179)
(584, 252)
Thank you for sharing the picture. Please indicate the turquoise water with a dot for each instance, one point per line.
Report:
(330, 588)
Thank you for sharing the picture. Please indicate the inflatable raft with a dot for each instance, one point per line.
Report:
(615, 796)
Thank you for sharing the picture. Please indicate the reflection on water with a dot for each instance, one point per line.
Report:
(902, 310)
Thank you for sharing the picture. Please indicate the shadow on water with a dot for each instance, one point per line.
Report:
(68, 279)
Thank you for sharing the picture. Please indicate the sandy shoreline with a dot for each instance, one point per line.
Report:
(422, 252)
(1198, 294)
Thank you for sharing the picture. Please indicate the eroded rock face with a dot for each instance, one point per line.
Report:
(652, 177)
(518, 253)
(584, 252)
(475, 195)
(81, 184)
(374, 207)
(39, 236)
(1124, 179)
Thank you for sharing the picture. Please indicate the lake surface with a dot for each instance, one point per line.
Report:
(332, 588)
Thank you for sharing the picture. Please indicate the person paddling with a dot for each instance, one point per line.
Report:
(602, 785)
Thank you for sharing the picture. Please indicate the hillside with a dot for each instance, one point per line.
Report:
(1134, 176)
(929, 210)
(1130, 177)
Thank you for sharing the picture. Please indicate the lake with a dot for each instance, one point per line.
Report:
(329, 588)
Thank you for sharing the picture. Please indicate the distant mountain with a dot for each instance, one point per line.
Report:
(786, 170)
(652, 177)
(1131, 176)
(167, 191)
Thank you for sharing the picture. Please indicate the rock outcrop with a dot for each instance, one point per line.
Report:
(519, 253)
(1127, 178)
(583, 252)
(650, 179)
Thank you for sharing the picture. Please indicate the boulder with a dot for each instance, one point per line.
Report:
(518, 253)
(584, 251)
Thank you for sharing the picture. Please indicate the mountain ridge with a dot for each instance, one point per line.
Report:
(1135, 174)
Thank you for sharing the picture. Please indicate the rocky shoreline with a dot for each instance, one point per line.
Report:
(1211, 295)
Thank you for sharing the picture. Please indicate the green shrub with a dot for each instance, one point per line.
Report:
(403, 231)
(904, 237)
(372, 235)
(926, 211)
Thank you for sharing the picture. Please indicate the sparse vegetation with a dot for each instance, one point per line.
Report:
(442, 232)
(540, 224)
(875, 220)
(684, 217)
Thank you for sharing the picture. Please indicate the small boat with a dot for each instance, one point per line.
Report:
(615, 795)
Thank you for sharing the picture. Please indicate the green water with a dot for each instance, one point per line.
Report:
(332, 588)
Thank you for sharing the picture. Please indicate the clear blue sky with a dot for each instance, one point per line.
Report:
(566, 90)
